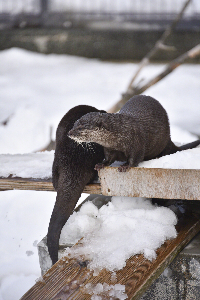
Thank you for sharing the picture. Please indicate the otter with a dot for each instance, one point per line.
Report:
(140, 131)
(72, 169)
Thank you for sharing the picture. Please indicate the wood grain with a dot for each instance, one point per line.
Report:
(40, 185)
(68, 277)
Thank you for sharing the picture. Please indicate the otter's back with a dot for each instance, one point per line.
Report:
(143, 107)
(152, 118)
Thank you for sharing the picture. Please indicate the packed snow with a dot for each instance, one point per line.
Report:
(36, 91)
(124, 227)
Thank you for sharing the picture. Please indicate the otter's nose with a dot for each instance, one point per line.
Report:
(71, 133)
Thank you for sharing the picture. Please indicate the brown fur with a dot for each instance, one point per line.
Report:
(140, 131)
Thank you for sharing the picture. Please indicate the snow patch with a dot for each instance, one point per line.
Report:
(187, 159)
(122, 228)
(32, 165)
(104, 291)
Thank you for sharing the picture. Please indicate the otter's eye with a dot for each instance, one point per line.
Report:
(99, 124)
(103, 125)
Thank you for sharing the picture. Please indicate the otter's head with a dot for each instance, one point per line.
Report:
(91, 128)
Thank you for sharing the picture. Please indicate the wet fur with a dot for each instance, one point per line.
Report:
(73, 168)
(140, 131)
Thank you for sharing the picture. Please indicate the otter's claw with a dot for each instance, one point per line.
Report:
(123, 168)
(99, 167)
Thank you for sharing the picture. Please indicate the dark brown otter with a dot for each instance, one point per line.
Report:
(73, 168)
(140, 131)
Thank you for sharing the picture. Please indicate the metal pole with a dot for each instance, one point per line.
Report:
(43, 11)
(44, 6)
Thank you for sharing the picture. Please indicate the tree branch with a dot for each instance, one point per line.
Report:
(192, 53)
(160, 44)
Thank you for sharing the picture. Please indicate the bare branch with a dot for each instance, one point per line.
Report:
(192, 53)
(160, 44)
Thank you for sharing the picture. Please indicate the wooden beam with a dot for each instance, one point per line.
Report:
(137, 182)
(40, 185)
(151, 183)
(68, 277)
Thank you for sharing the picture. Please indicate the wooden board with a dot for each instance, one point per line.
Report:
(137, 182)
(151, 183)
(68, 277)
(40, 185)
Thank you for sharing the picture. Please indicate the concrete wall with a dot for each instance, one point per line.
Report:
(181, 279)
(92, 42)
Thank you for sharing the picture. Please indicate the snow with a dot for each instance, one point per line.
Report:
(187, 159)
(66, 81)
(31, 165)
(39, 165)
(23, 222)
(36, 91)
(104, 290)
(124, 227)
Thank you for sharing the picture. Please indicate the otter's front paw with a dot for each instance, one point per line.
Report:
(123, 168)
(99, 166)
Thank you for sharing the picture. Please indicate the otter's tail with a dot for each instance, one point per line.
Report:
(172, 148)
(189, 146)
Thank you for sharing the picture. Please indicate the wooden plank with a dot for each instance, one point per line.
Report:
(25, 184)
(68, 277)
(151, 183)
(39, 185)
(137, 182)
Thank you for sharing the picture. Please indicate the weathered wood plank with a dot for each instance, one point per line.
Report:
(68, 277)
(151, 183)
(137, 182)
(39, 185)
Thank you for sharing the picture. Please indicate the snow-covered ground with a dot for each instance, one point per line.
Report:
(36, 90)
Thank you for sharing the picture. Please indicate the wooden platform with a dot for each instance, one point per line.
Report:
(137, 182)
(151, 183)
(67, 278)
